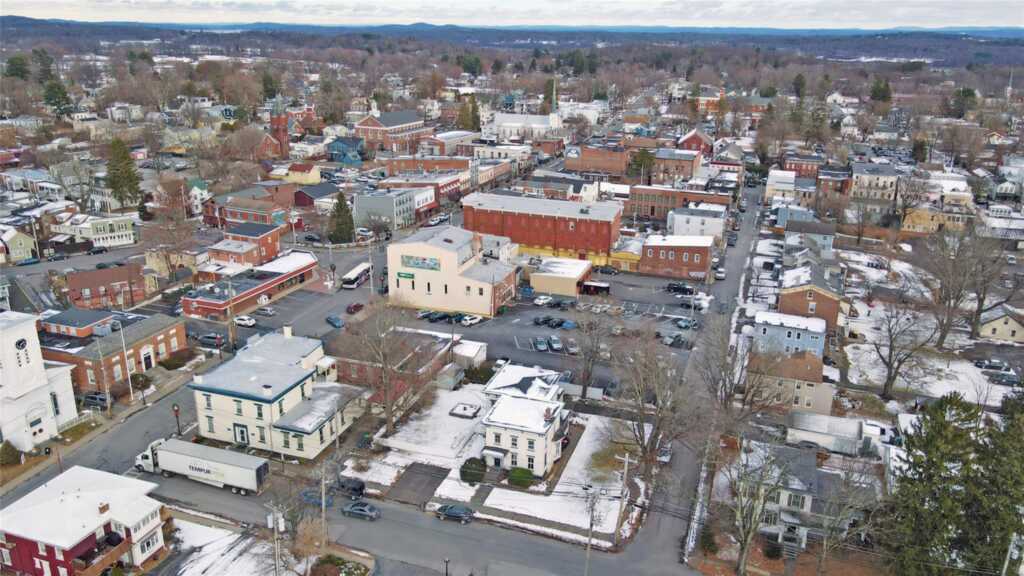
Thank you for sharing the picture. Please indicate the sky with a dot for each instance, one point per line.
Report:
(703, 13)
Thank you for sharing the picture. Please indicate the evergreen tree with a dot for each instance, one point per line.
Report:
(799, 85)
(549, 104)
(641, 165)
(474, 113)
(44, 65)
(964, 99)
(920, 150)
(17, 67)
(270, 85)
(880, 90)
(497, 66)
(342, 230)
(924, 515)
(56, 96)
(122, 178)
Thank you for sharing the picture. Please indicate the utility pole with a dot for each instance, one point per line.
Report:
(124, 349)
(623, 494)
(323, 503)
(230, 319)
(369, 254)
(591, 506)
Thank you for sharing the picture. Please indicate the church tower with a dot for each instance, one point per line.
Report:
(279, 125)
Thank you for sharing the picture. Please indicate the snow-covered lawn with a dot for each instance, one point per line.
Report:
(383, 471)
(223, 552)
(895, 274)
(567, 503)
(455, 489)
(436, 437)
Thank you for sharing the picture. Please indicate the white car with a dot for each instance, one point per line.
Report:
(542, 300)
(364, 232)
(248, 321)
(720, 274)
(471, 320)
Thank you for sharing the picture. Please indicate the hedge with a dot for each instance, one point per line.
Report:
(9, 455)
(177, 359)
(520, 477)
(473, 470)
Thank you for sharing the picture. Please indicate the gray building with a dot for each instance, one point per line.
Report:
(787, 334)
(395, 207)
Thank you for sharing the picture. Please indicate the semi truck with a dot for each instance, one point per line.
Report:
(243, 473)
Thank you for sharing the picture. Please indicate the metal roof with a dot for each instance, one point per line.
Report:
(79, 317)
(603, 211)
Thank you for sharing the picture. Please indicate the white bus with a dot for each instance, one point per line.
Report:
(355, 277)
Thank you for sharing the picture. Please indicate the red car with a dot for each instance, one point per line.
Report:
(354, 308)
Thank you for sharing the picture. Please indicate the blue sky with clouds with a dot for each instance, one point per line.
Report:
(741, 13)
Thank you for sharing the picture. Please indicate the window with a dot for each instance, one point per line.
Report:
(90, 372)
(529, 462)
(5, 556)
(446, 289)
(286, 440)
(302, 390)
(238, 407)
(497, 439)
(208, 401)
(259, 411)
(796, 501)
(117, 372)
(696, 258)
(209, 424)
(686, 256)
(261, 435)
(280, 407)
(148, 543)
(811, 307)
(773, 497)
(42, 547)
(428, 287)
(661, 254)
(56, 405)
(467, 290)
(770, 518)
(131, 363)
(298, 443)
(1013, 333)
(650, 252)
(481, 291)
(515, 459)
(515, 441)
(529, 444)
(789, 334)
(672, 255)
(807, 402)
(321, 433)
(764, 331)
(174, 344)
(413, 285)
(798, 335)
(796, 400)
(572, 226)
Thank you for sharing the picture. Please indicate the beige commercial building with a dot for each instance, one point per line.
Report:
(560, 276)
(450, 269)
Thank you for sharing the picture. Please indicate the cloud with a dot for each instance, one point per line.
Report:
(717, 13)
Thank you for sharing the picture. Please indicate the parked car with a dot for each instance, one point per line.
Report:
(354, 308)
(455, 318)
(665, 453)
(720, 274)
(457, 512)
(1004, 378)
(352, 488)
(993, 364)
(421, 314)
(611, 271)
(266, 311)
(361, 509)
(97, 250)
(437, 317)
(555, 343)
(1011, 259)
(540, 344)
(312, 238)
(688, 324)
(690, 305)
(212, 340)
(542, 300)
(28, 262)
(568, 325)
(247, 321)
(556, 322)
(471, 320)
(572, 347)
(680, 288)
(335, 321)
(94, 400)
(57, 257)
(364, 233)
(541, 320)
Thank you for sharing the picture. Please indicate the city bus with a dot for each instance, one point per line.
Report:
(355, 278)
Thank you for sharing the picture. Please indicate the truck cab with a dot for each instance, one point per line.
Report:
(147, 461)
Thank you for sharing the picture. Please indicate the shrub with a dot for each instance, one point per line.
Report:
(707, 541)
(177, 359)
(520, 477)
(330, 565)
(772, 550)
(141, 381)
(480, 374)
(9, 455)
(473, 470)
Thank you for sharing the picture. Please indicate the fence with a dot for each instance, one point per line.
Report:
(84, 416)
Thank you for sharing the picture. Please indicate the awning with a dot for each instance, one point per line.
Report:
(499, 452)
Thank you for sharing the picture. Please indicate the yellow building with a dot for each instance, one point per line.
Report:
(930, 219)
(1002, 323)
(303, 174)
(625, 255)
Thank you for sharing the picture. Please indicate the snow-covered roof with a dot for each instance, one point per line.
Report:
(323, 402)
(527, 414)
(65, 510)
(524, 381)
(790, 321)
(290, 262)
(568, 267)
(686, 241)
(267, 367)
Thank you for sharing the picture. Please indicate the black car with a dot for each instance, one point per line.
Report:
(680, 288)
(455, 318)
(57, 256)
(97, 250)
(353, 488)
(1004, 378)
(993, 364)
(541, 320)
(312, 238)
(556, 322)
(461, 514)
(609, 270)
(555, 304)
(438, 317)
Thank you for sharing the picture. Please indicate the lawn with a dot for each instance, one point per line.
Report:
(8, 473)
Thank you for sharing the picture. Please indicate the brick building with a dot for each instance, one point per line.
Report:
(805, 165)
(670, 164)
(696, 140)
(399, 131)
(421, 163)
(114, 287)
(609, 160)
(448, 186)
(546, 227)
(655, 202)
(226, 211)
(834, 180)
(99, 359)
(686, 257)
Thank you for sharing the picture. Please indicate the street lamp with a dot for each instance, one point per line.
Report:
(177, 409)
(445, 567)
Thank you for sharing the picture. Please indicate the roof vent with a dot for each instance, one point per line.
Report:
(267, 389)
(104, 508)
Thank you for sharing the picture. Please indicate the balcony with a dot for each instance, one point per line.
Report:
(95, 561)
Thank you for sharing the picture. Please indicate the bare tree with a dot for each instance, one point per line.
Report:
(171, 232)
(913, 193)
(76, 179)
(739, 391)
(859, 212)
(192, 115)
(902, 335)
(755, 478)
(244, 143)
(593, 332)
(846, 506)
(989, 265)
(947, 257)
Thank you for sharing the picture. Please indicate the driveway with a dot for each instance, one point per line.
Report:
(417, 484)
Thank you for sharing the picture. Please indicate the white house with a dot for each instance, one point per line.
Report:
(36, 398)
(522, 432)
(523, 127)
(109, 231)
(279, 393)
(701, 219)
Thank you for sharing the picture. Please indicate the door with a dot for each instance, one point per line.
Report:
(241, 434)
(147, 360)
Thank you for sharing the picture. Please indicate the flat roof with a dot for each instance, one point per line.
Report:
(603, 211)
(696, 241)
(319, 406)
(234, 246)
(527, 414)
(790, 321)
(566, 267)
(267, 367)
(79, 317)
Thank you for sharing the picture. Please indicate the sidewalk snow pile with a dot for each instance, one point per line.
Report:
(225, 553)
(455, 489)
(552, 532)
(567, 504)
(384, 471)
(438, 438)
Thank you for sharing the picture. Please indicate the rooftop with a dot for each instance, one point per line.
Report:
(66, 510)
(873, 169)
(694, 241)
(251, 229)
(603, 211)
(566, 267)
(323, 402)
(398, 117)
(790, 321)
(266, 368)
(524, 381)
(235, 246)
(811, 227)
(527, 414)
(79, 317)
(321, 190)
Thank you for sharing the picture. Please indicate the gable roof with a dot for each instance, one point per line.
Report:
(398, 118)
(804, 366)
(300, 167)
(321, 190)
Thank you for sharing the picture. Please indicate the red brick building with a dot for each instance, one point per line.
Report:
(99, 360)
(671, 163)
(404, 164)
(114, 287)
(834, 180)
(655, 202)
(446, 185)
(230, 210)
(612, 160)
(550, 146)
(696, 140)
(546, 227)
(77, 322)
(805, 165)
(686, 257)
(399, 131)
(265, 236)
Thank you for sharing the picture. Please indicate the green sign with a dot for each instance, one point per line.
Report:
(406, 275)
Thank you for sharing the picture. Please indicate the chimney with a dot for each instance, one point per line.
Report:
(268, 390)
(104, 508)
(287, 330)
